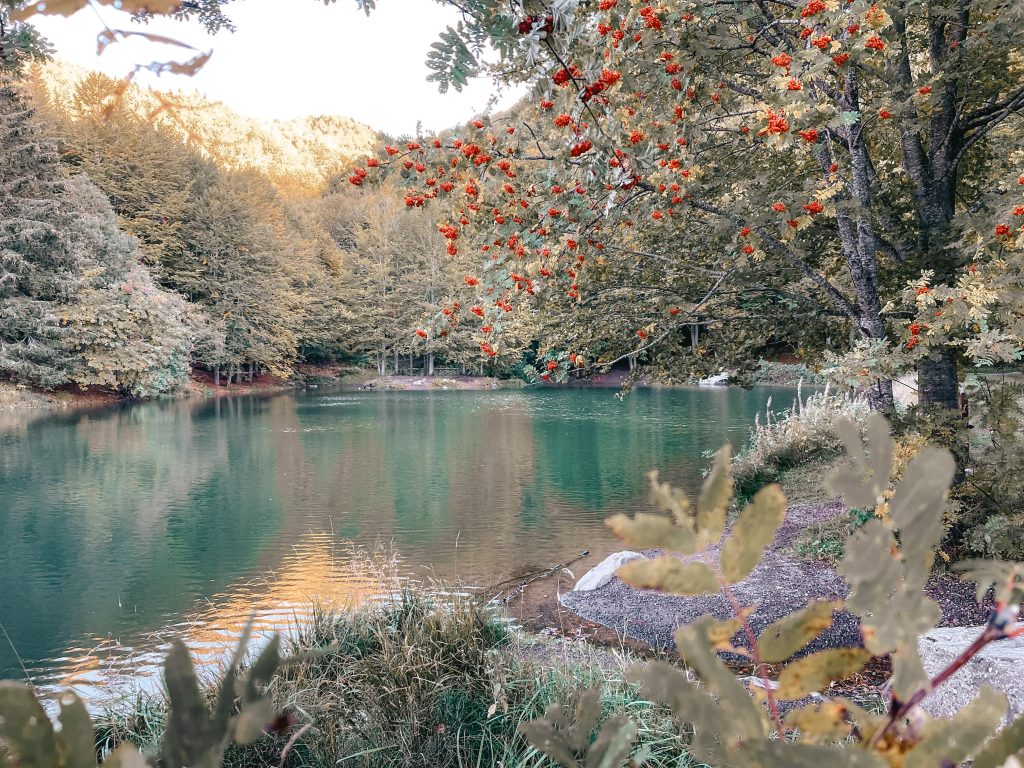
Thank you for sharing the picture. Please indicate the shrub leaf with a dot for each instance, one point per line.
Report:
(813, 673)
(751, 533)
(669, 574)
(647, 530)
(779, 641)
(951, 741)
(25, 727)
(713, 502)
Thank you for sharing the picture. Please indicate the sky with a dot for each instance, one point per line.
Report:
(312, 60)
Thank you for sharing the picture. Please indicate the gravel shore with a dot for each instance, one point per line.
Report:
(781, 584)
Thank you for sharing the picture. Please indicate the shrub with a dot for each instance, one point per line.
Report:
(886, 562)
(426, 680)
(990, 519)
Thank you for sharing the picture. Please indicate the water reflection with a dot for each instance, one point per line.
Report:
(126, 525)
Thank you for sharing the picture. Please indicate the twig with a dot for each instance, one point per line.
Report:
(990, 634)
(292, 741)
(537, 576)
(773, 705)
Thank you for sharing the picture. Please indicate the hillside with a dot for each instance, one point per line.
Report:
(303, 151)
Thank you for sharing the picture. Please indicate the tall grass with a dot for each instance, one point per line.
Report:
(802, 433)
(423, 681)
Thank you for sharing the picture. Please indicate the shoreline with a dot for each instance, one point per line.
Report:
(18, 398)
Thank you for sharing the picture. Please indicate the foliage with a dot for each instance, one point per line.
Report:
(990, 520)
(196, 737)
(886, 562)
(769, 372)
(738, 164)
(803, 433)
(299, 156)
(75, 303)
(425, 680)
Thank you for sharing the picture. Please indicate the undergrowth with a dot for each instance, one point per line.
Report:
(420, 682)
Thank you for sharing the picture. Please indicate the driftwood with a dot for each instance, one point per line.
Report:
(521, 582)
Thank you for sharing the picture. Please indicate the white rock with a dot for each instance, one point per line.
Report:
(999, 665)
(714, 381)
(603, 572)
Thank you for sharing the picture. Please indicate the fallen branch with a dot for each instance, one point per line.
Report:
(530, 579)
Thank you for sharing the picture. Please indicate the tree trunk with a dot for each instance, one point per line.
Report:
(396, 362)
(880, 396)
(430, 364)
(937, 380)
(216, 376)
(250, 373)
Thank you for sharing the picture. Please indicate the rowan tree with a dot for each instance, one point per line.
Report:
(839, 141)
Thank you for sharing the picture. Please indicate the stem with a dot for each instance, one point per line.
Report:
(773, 705)
(990, 634)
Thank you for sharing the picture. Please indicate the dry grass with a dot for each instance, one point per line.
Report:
(802, 434)
(424, 681)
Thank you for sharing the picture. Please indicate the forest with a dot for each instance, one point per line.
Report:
(146, 235)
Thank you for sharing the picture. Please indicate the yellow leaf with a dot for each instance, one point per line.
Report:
(788, 635)
(713, 502)
(670, 574)
(647, 530)
(815, 672)
(752, 532)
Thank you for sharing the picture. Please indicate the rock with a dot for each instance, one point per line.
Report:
(997, 665)
(714, 381)
(603, 572)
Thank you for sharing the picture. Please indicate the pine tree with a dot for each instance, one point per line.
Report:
(76, 305)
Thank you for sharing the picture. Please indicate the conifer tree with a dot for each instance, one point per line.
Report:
(40, 265)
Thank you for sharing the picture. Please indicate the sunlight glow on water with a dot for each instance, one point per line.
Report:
(126, 527)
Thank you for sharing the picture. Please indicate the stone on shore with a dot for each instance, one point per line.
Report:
(998, 665)
(603, 572)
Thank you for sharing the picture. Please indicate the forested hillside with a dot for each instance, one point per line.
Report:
(190, 236)
(299, 154)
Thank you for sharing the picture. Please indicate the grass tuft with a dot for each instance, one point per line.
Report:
(801, 435)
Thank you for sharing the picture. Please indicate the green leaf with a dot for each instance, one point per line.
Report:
(75, 741)
(743, 717)
(751, 533)
(779, 641)
(25, 727)
(613, 744)
(1007, 743)
(648, 530)
(669, 574)
(820, 721)
(782, 753)
(813, 673)
(125, 756)
(190, 740)
(916, 509)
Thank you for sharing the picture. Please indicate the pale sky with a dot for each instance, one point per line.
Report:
(312, 60)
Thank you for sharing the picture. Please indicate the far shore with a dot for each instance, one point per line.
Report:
(311, 376)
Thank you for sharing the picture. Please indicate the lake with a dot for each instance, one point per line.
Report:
(125, 526)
